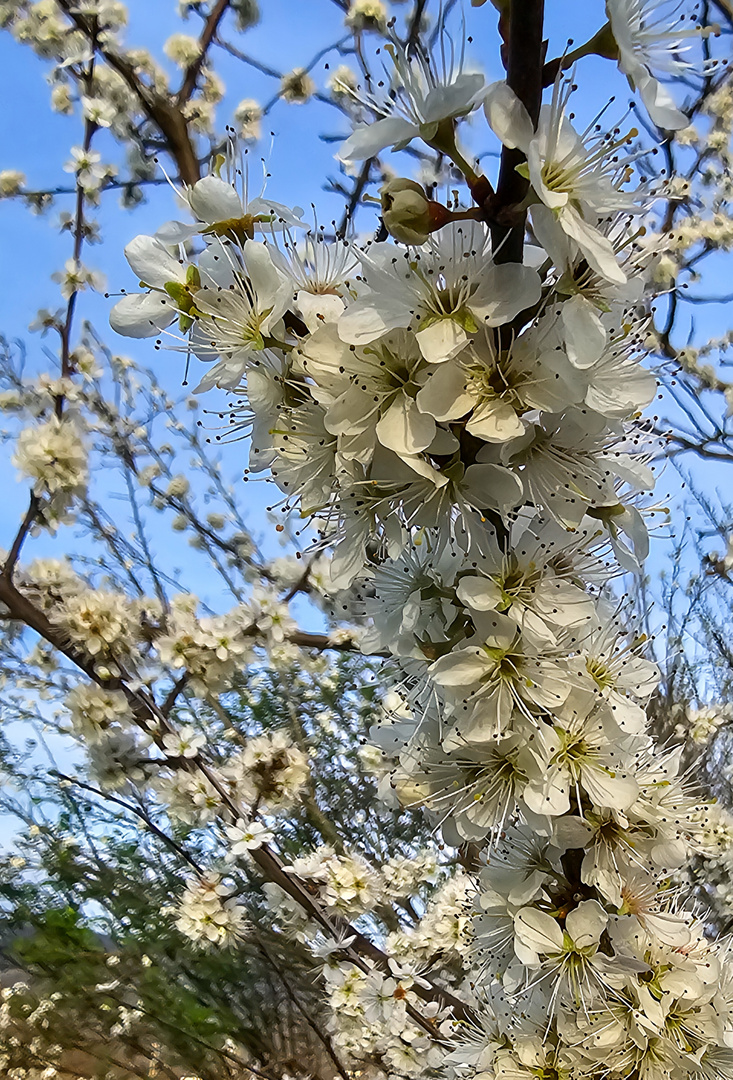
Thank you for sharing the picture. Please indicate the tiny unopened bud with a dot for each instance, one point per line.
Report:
(408, 214)
(405, 210)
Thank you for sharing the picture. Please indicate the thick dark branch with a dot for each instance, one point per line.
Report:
(524, 76)
(173, 694)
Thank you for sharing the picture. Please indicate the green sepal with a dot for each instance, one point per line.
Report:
(463, 317)
(178, 292)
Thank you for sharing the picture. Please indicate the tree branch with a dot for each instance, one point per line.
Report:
(20, 536)
(208, 34)
(413, 36)
(302, 1010)
(524, 77)
(163, 113)
(145, 710)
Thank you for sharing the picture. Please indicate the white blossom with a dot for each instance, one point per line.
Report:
(245, 836)
(427, 92)
(652, 38)
(209, 914)
(53, 455)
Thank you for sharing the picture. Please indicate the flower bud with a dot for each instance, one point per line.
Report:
(407, 211)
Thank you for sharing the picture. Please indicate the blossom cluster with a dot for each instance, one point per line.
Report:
(208, 911)
(52, 455)
(462, 431)
(371, 1015)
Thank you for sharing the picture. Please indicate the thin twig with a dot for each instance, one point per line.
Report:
(208, 34)
(362, 182)
(301, 1009)
(137, 811)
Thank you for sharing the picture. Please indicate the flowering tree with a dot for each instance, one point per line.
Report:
(112, 963)
(451, 414)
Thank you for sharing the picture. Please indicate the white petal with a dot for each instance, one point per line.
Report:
(142, 315)
(367, 319)
(211, 199)
(368, 140)
(585, 334)
(441, 340)
(425, 469)
(562, 603)
(325, 357)
(265, 276)
(669, 928)
(538, 931)
(527, 958)
(634, 527)
(597, 248)
(535, 629)
(550, 234)
(629, 716)
(444, 395)
(495, 421)
(491, 486)
(548, 795)
(283, 214)
(152, 262)
(606, 788)
(348, 414)
(404, 429)
(485, 721)
(670, 854)
(586, 923)
(175, 232)
(505, 290)
(632, 472)
(460, 668)
(507, 117)
(216, 266)
(453, 99)
(619, 395)
(479, 593)
(444, 444)
(555, 200)
(571, 832)
(660, 105)
(226, 374)
(348, 557)
(315, 310)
